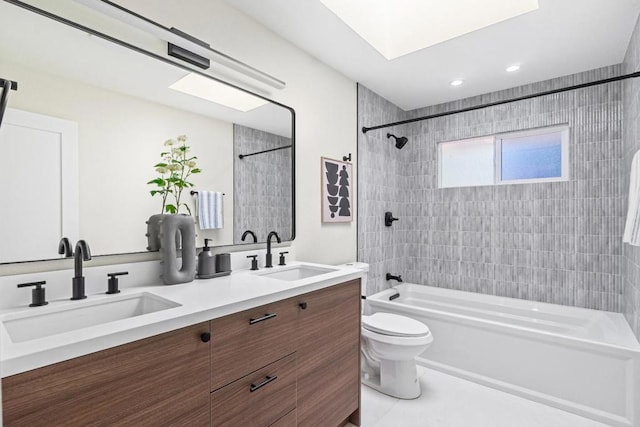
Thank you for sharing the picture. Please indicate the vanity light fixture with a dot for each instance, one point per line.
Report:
(214, 91)
(512, 68)
(456, 82)
(183, 42)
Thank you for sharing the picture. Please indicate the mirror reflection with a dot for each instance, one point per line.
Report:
(85, 132)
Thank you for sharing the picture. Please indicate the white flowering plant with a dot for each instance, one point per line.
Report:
(175, 169)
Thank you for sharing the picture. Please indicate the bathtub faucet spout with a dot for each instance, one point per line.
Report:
(396, 278)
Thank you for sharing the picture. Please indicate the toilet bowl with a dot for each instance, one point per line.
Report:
(389, 346)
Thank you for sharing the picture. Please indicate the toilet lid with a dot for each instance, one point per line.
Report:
(395, 325)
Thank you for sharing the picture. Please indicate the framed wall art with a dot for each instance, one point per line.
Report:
(337, 194)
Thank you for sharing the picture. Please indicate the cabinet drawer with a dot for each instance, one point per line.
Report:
(259, 399)
(247, 341)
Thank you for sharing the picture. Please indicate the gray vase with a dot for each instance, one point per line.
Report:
(153, 232)
(169, 233)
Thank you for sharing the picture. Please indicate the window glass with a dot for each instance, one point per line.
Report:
(535, 155)
(531, 157)
(466, 163)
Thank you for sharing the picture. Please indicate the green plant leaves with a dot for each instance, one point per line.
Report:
(158, 181)
(174, 170)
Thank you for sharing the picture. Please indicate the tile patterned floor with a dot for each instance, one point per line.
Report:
(448, 401)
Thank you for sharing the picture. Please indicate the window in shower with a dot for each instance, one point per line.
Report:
(535, 155)
(466, 163)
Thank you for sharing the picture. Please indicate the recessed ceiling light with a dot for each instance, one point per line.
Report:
(455, 82)
(214, 91)
(397, 28)
(513, 68)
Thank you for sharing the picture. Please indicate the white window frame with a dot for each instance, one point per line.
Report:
(497, 155)
(564, 140)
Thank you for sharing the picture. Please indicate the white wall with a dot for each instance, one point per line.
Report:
(324, 100)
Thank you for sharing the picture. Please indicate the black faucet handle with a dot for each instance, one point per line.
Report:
(389, 218)
(254, 261)
(120, 273)
(37, 293)
(112, 283)
(36, 284)
(282, 260)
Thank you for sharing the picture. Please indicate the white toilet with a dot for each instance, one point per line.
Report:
(389, 346)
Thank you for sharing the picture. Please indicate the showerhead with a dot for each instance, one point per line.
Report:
(401, 141)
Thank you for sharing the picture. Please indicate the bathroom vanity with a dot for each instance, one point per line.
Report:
(292, 361)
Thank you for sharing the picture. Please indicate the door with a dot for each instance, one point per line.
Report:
(40, 162)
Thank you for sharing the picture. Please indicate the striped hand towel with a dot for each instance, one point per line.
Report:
(210, 210)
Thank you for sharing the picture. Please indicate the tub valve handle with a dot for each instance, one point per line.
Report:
(388, 219)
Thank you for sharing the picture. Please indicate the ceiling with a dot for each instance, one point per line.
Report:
(561, 37)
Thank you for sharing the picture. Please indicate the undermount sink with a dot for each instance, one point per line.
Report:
(297, 272)
(35, 324)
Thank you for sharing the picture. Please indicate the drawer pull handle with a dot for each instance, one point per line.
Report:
(303, 305)
(205, 337)
(263, 318)
(267, 380)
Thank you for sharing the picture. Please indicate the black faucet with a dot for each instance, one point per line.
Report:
(82, 253)
(269, 263)
(64, 248)
(246, 233)
(392, 277)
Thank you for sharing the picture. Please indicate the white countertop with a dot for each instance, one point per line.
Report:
(200, 301)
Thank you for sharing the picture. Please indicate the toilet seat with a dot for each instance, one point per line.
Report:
(394, 325)
(397, 341)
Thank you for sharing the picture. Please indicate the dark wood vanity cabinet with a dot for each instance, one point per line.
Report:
(328, 349)
(318, 334)
(158, 381)
(292, 362)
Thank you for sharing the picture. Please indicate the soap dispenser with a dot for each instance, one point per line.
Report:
(206, 262)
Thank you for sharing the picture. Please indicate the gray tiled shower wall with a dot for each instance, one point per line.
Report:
(553, 242)
(262, 184)
(631, 109)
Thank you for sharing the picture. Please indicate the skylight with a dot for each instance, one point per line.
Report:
(399, 27)
(211, 90)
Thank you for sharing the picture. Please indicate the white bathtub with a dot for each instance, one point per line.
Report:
(580, 360)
